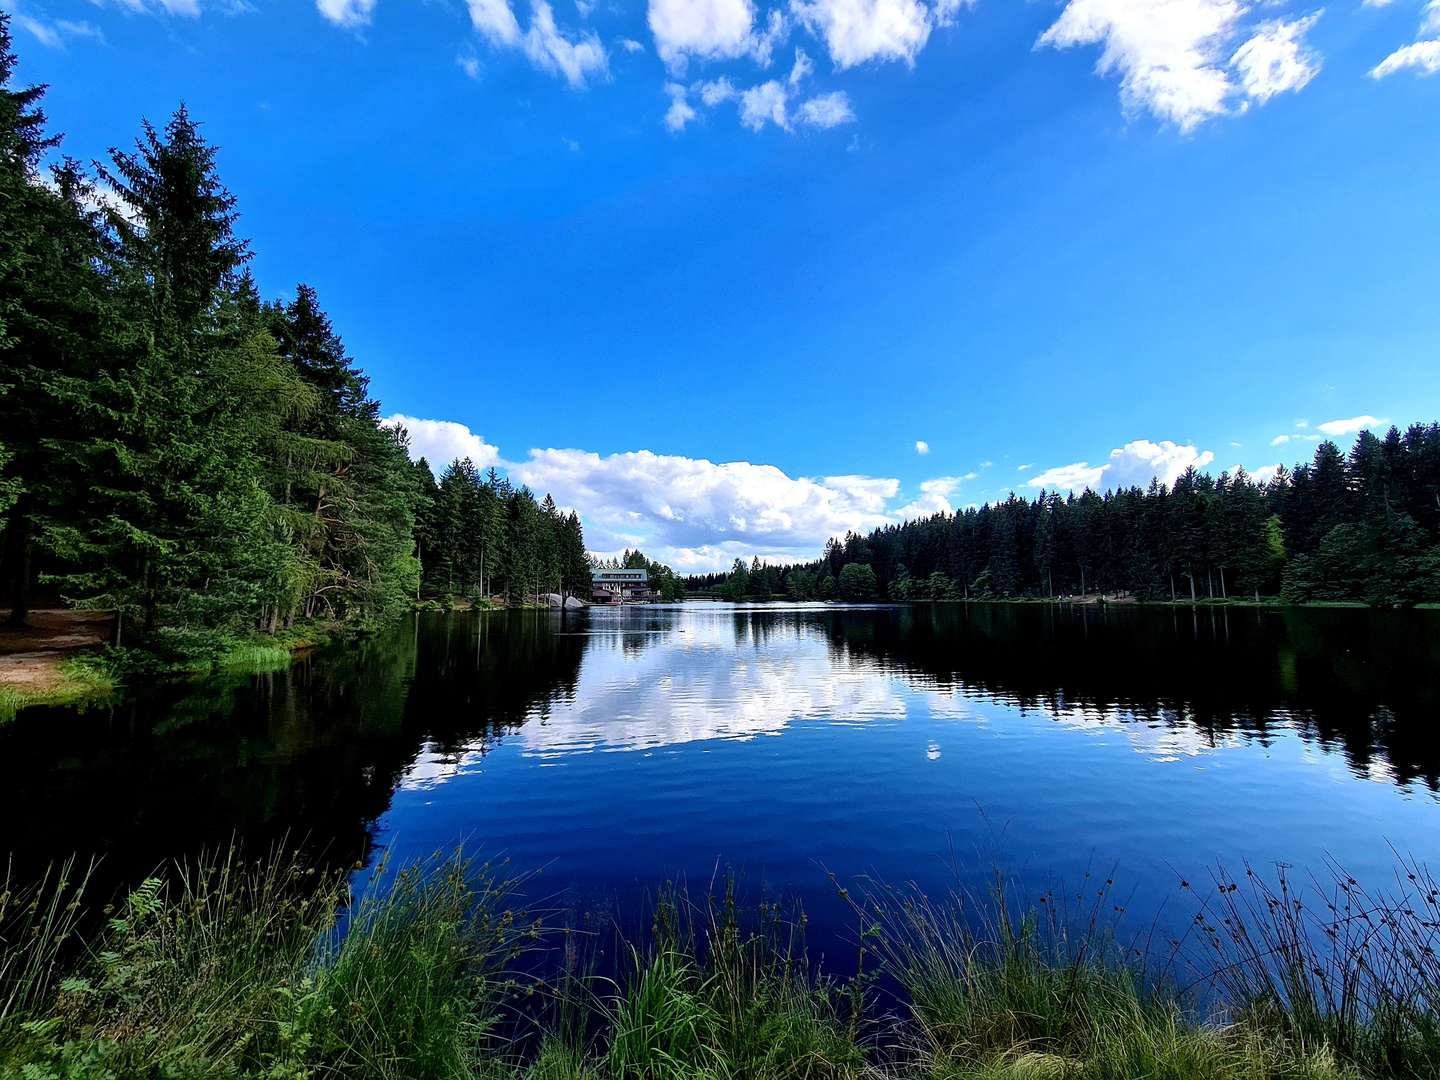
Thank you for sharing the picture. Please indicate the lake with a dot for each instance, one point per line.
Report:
(616, 749)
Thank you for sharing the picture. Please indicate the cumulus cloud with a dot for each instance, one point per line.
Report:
(442, 441)
(1276, 59)
(858, 31)
(347, 13)
(921, 446)
(1134, 464)
(716, 91)
(1172, 56)
(827, 110)
(709, 30)
(767, 103)
(680, 112)
(578, 60)
(934, 497)
(680, 505)
(1350, 425)
(1265, 473)
(762, 104)
(630, 45)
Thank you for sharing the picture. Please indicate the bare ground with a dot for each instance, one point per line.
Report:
(30, 656)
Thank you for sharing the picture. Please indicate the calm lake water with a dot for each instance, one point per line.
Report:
(621, 748)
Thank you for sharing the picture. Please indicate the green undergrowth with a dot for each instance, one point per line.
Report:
(84, 680)
(270, 969)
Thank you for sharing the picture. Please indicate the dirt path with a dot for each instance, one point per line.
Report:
(30, 656)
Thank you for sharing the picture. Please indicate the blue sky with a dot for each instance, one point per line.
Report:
(709, 270)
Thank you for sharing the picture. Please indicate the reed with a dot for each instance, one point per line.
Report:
(268, 968)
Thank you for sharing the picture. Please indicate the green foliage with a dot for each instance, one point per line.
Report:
(266, 969)
(1362, 528)
(207, 466)
(857, 582)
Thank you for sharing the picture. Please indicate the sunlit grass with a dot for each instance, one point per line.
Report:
(267, 969)
(82, 680)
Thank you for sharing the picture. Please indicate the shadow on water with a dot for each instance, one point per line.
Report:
(1366, 682)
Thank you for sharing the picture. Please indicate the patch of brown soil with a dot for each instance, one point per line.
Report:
(30, 656)
(56, 630)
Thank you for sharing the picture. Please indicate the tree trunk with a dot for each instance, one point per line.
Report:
(1222, 584)
(23, 545)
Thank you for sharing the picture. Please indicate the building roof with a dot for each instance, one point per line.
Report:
(617, 576)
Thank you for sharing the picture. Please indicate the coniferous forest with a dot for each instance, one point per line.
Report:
(1362, 527)
(203, 462)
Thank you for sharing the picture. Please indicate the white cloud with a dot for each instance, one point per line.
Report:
(347, 13)
(1133, 465)
(934, 497)
(578, 60)
(1351, 425)
(1167, 52)
(1421, 56)
(1265, 473)
(442, 441)
(767, 103)
(53, 34)
(921, 446)
(187, 8)
(857, 31)
(803, 68)
(1173, 59)
(1024, 468)
(496, 21)
(681, 112)
(680, 507)
(1276, 59)
(630, 45)
(1280, 440)
(946, 10)
(762, 104)
(716, 91)
(1302, 424)
(470, 65)
(704, 30)
(827, 110)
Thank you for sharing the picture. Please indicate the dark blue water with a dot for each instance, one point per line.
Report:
(621, 748)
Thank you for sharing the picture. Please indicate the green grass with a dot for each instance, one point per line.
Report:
(84, 680)
(269, 970)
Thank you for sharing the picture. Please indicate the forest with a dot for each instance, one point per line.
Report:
(203, 462)
(1362, 527)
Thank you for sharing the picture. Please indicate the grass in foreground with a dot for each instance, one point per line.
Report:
(269, 970)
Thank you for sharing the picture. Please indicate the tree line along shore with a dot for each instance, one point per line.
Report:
(1358, 528)
(202, 464)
